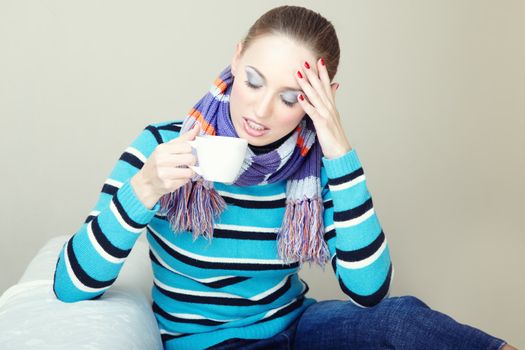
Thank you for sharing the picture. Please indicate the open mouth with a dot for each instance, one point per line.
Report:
(254, 129)
(255, 126)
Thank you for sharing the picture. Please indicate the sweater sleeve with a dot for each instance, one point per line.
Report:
(90, 261)
(358, 247)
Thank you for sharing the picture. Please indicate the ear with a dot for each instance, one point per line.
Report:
(236, 57)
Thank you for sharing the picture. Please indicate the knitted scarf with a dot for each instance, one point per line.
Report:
(194, 206)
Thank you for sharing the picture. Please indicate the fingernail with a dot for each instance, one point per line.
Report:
(306, 65)
(322, 61)
(299, 74)
(301, 97)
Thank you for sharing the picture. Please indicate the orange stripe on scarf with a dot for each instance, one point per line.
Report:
(300, 142)
(199, 118)
(197, 115)
(220, 84)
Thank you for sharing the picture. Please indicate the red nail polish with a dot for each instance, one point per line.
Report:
(322, 61)
(301, 97)
(299, 74)
(306, 65)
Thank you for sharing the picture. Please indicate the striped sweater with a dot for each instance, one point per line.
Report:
(205, 292)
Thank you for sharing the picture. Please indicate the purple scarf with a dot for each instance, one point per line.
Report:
(194, 206)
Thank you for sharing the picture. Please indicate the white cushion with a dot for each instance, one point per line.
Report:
(31, 317)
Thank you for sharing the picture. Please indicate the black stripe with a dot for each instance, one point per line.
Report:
(226, 282)
(306, 285)
(166, 337)
(234, 234)
(176, 127)
(155, 133)
(326, 187)
(154, 259)
(158, 310)
(250, 235)
(328, 204)
(81, 274)
(55, 276)
(131, 160)
(245, 203)
(221, 265)
(216, 284)
(89, 218)
(329, 235)
(125, 216)
(372, 299)
(226, 301)
(105, 243)
(109, 189)
(362, 253)
(346, 178)
(354, 212)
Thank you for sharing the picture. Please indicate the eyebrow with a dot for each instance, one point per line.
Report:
(264, 78)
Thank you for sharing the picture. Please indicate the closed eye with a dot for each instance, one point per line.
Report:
(255, 87)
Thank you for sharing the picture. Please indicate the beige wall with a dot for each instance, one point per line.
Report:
(432, 95)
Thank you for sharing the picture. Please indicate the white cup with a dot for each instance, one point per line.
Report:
(219, 157)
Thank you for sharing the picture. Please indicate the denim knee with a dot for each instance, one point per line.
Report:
(410, 300)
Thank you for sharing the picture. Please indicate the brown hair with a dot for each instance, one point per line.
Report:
(302, 25)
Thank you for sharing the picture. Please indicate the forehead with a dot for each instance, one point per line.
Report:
(278, 57)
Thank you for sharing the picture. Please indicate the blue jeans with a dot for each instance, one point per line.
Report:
(403, 322)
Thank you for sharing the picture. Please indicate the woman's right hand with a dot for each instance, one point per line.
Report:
(166, 169)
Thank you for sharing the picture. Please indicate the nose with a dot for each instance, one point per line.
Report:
(264, 107)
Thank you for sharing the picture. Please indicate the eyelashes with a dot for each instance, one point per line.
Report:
(255, 87)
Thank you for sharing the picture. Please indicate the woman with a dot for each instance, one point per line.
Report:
(225, 257)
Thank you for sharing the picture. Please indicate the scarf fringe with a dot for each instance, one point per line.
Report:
(193, 207)
(301, 237)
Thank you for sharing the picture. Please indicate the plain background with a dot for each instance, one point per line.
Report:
(432, 96)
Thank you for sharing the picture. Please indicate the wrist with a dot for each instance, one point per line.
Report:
(338, 152)
(144, 190)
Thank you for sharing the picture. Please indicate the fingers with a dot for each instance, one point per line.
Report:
(178, 147)
(325, 78)
(178, 173)
(319, 99)
(317, 91)
(302, 79)
(180, 160)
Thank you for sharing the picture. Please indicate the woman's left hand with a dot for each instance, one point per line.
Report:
(320, 106)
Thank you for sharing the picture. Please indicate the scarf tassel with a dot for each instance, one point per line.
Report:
(206, 205)
(301, 237)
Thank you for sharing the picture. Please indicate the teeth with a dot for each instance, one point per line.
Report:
(255, 126)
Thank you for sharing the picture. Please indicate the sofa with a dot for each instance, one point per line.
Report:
(31, 317)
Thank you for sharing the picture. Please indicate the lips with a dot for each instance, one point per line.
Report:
(253, 132)
(265, 128)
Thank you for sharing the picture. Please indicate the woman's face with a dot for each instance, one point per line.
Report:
(269, 65)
